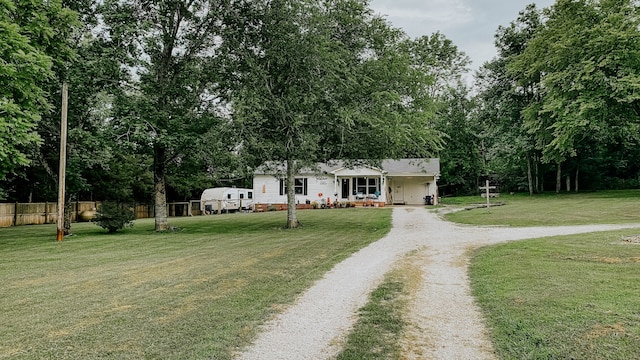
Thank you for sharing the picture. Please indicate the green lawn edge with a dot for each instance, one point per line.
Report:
(200, 292)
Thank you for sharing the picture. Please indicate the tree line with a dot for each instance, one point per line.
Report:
(170, 97)
(558, 108)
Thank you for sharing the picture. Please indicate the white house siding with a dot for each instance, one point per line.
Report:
(409, 180)
(267, 189)
(411, 190)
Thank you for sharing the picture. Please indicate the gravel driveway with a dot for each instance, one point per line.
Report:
(445, 323)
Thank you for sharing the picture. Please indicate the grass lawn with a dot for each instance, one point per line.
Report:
(571, 297)
(198, 293)
(603, 207)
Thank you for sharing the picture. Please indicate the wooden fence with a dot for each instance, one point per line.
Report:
(14, 214)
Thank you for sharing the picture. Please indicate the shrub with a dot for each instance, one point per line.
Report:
(113, 216)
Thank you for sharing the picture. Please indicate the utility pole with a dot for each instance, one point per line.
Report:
(63, 161)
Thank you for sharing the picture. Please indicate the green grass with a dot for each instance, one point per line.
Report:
(380, 325)
(605, 207)
(571, 297)
(198, 293)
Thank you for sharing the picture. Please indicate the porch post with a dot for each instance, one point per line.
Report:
(335, 185)
(435, 195)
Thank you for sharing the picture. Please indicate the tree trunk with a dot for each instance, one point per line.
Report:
(292, 219)
(529, 176)
(559, 179)
(568, 183)
(576, 181)
(160, 192)
(68, 206)
(537, 165)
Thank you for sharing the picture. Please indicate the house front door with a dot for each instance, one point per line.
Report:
(398, 192)
(345, 188)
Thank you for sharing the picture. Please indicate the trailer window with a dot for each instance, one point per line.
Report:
(241, 196)
(229, 196)
(250, 195)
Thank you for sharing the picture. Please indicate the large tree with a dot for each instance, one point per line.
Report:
(508, 148)
(319, 80)
(34, 39)
(170, 100)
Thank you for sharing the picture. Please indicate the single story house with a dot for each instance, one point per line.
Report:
(399, 182)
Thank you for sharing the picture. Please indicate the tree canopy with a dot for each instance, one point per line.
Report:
(34, 40)
(571, 74)
(318, 80)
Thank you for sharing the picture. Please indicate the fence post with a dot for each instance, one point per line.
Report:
(15, 214)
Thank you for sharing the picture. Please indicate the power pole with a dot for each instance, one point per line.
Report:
(63, 161)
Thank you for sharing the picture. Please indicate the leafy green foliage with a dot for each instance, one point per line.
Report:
(461, 158)
(312, 81)
(22, 100)
(170, 105)
(587, 55)
(113, 216)
(560, 99)
(507, 148)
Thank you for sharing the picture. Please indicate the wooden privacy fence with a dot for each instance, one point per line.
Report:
(14, 214)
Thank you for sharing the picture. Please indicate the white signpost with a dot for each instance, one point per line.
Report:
(487, 188)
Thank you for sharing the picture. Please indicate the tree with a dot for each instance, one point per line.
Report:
(170, 99)
(312, 81)
(32, 42)
(441, 65)
(460, 159)
(506, 91)
(587, 55)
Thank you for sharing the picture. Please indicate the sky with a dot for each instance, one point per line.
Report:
(470, 24)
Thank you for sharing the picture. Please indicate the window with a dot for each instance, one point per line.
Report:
(365, 186)
(300, 186)
(228, 196)
(249, 194)
(373, 186)
(241, 196)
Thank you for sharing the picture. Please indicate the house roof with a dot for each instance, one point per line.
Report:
(400, 167)
(411, 166)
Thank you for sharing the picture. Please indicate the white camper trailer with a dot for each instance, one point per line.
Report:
(226, 199)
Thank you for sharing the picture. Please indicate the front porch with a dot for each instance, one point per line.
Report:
(363, 186)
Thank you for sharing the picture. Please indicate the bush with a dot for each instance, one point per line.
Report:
(113, 216)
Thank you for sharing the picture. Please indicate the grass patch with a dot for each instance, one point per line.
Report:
(570, 297)
(604, 207)
(379, 330)
(198, 293)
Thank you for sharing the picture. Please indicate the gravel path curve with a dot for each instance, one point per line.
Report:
(446, 322)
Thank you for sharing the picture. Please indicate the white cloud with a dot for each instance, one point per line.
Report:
(430, 15)
(436, 12)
